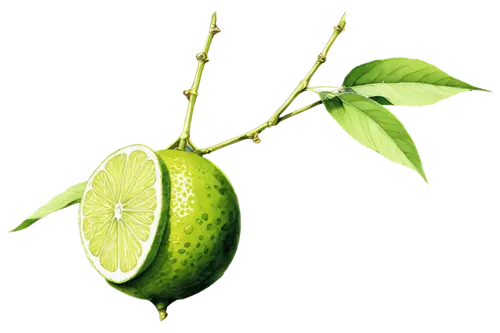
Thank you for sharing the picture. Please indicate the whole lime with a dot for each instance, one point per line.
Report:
(201, 236)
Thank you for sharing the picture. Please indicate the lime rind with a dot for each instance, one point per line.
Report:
(121, 238)
(202, 236)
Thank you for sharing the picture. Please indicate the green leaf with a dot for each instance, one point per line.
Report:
(71, 196)
(373, 126)
(403, 81)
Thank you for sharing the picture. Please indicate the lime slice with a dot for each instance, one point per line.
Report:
(124, 211)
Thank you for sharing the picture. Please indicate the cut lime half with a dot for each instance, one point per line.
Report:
(124, 211)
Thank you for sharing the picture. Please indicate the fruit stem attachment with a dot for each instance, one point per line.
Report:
(276, 118)
(192, 93)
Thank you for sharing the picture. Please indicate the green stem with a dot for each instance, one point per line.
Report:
(192, 93)
(254, 134)
(305, 81)
(189, 144)
(276, 117)
(296, 112)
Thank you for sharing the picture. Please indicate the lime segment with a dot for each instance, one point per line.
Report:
(123, 212)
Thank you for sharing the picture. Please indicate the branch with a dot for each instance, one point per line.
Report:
(305, 82)
(254, 134)
(276, 117)
(192, 93)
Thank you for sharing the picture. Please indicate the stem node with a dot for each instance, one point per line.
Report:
(321, 58)
(189, 92)
(215, 30)
(202, 56)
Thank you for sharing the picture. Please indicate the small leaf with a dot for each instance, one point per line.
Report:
(71, 196)
(373, 126)
(403, 81)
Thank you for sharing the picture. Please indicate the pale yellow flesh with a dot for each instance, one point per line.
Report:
(119, 209)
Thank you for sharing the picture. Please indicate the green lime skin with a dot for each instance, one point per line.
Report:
(201, 236)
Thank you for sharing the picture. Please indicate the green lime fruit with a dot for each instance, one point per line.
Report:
(201, 236)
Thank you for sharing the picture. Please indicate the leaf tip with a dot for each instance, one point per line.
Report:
(13, 231)
(426, 179)
(488, 91)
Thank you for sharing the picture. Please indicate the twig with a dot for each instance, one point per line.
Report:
(254, 134)
(192, 93)
(276, 117)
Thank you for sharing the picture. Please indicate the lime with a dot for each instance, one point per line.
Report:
(201, 236)
(123, 212)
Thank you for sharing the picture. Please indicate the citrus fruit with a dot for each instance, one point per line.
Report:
(201, 236)
(123, 212)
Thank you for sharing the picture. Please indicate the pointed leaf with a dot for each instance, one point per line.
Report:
(403, 81)
(373, 126)
(69, 197)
